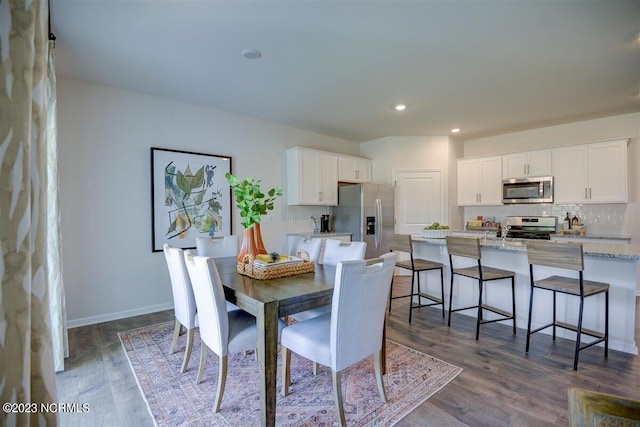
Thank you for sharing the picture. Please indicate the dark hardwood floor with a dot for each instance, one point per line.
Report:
(500, 384)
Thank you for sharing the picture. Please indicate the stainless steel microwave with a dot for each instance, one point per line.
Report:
(528, 190)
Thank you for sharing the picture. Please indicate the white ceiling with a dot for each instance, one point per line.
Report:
(338, 67)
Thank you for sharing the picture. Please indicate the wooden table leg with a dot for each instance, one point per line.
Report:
(383, 355)
(267, 322)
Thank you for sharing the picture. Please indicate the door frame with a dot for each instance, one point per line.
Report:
(443, 187)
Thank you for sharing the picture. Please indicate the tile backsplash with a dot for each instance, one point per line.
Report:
(610, 219)
(298, 217)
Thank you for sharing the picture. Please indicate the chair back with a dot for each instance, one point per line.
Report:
(558, 255)
(358, 309)
(400, 243)
(211, 303)
(184, 304)
(588, 408)
(312, 246)
(217, 247)
(337, 250)
(466, 247)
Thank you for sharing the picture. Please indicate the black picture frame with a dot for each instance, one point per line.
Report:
(190, 197)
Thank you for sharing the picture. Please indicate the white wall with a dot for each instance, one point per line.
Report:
(412, 152)
(105, 137)
(626, 125)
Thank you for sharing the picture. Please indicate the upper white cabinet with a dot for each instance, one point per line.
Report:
(591, 173)
(354, 169)
(312, 177)
(480, 181)
(526, 164)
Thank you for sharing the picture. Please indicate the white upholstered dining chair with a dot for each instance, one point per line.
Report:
(334, 252)
(217, 247)
(184, 304)
(351, 332)
(337, 250)
(311, 245)
(223, 332)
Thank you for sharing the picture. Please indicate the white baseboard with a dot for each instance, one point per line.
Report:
(92, 320)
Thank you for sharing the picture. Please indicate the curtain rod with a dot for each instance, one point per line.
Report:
(52, 37)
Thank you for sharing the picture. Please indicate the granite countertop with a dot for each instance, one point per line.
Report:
(592, 236)
(561, 236)
(605, 250)
(326, 234)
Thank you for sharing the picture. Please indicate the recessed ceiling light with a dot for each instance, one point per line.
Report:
(251, 53)
(400, 107)
(455, 130)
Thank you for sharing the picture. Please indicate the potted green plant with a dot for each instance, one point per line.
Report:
(252, 204)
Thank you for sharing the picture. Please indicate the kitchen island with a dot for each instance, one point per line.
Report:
(613, 263)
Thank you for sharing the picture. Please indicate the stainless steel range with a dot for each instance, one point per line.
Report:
(531, 227)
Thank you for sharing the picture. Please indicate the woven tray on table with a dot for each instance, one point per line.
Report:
(275, 270)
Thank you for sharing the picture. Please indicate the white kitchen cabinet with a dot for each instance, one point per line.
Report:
(312, 177)
(591, 173)
(354, 169)
(527, 164)
(480, 181)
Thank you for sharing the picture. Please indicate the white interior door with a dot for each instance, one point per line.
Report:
(418, 200)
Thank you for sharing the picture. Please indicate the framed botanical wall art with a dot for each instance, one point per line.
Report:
(190, 197)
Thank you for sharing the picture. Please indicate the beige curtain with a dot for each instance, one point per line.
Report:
(57, 306)
(26, 357)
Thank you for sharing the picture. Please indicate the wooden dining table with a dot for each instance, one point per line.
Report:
(269, 300)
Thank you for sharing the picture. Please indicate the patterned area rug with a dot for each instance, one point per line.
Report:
(174, 399)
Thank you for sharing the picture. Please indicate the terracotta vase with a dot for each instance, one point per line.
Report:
(248, 244)
(258, 238)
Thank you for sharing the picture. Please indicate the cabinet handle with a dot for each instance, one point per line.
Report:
(319, 196)
(357, 174)
(479, 197)
(585, 194)
(589, 193)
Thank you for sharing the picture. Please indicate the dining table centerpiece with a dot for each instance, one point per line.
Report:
(252, 203)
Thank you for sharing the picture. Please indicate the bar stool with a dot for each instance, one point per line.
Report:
(567, 256)
(470, 248)
(404, 243)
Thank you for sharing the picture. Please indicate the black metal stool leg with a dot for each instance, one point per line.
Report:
(554, 315)
(442, 288)
(479, 319)
(450, 300)
(606, 324)
(529, 322)
(513, 303)
(413, 275)
(417, 273)
(575, 359)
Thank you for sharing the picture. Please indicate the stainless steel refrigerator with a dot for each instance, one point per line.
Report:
(366, 211)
